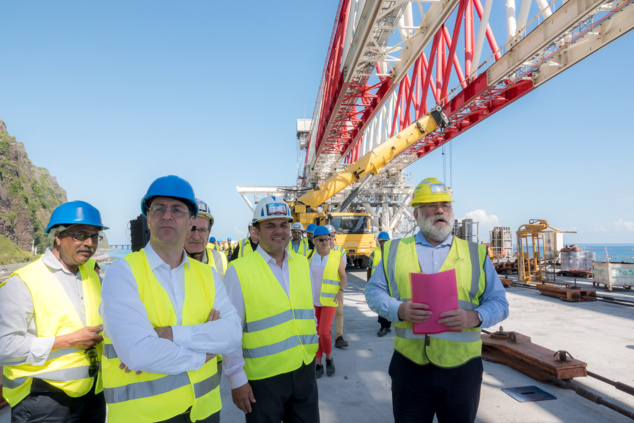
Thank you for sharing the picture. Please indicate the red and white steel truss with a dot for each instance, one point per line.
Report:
(390, 61)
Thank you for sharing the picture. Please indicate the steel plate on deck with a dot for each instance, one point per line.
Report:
(529, 394)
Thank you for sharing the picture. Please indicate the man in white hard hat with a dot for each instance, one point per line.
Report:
(298, 244)
(272, 378)
(50, 341)
(166, 317)
(436, 374)
(196, 239)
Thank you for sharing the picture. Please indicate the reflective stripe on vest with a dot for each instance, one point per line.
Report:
(376, 259)
(55, 315)
(245, 247)
(302, 248)
(448, 349)
(279, 332)
(330, 281)
(133, 397)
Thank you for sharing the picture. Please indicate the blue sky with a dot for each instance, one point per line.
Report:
(110, 95)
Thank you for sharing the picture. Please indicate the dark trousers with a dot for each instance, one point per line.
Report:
(419, 392)
(185, 418)
(290, 397)
(384, 322)
(57, 407)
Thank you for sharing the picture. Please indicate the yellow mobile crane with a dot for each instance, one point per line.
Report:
(354, 229)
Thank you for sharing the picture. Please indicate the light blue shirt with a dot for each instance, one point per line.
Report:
(493, 304)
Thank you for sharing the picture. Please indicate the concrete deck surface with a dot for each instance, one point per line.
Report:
(598, 333)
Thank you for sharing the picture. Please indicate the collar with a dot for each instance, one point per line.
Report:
(155, 261)
(420, 239)
(53, 263)
(268, 258)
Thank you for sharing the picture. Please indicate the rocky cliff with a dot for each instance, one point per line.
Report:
(28, 195)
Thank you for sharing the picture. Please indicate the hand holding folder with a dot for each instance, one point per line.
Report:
(439, 291)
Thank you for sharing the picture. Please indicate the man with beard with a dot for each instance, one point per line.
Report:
(439, 374)
(49, 325)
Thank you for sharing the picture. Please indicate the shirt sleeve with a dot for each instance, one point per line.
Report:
(494, 306)
(218, 337)
(377, 294)
(126, 323)
(19, 342)
(233, 362)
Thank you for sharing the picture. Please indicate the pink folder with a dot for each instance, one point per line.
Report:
(439, 291)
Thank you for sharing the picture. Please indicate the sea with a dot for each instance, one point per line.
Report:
(611, 252)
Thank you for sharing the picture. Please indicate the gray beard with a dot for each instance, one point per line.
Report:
(429, 231)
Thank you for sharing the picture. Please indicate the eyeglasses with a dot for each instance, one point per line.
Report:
(176, 211)
(82, 236)
(93, 369)
(202, 232)
(322, 240)
(433, 206)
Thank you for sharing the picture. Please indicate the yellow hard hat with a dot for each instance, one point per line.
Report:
(431, 190)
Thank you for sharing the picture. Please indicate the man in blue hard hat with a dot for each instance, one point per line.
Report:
(375, 259)
(309, 235)
(213, 244)
(166, 317)
(50, 340)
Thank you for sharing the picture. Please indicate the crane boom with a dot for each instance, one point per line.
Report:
(375, 160)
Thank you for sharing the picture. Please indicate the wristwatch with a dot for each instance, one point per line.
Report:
(479, 319)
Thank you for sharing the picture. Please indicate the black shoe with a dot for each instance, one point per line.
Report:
(340, 342)
(382, 332)
(330, 367)
(319, 371)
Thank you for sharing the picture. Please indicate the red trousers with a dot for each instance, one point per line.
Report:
(324, 315)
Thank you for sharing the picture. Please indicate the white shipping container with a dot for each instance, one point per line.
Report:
(613, 274)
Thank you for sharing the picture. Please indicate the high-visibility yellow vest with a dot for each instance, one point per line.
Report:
(217, 261)
(330, 282)
(340, 249)
(245, 247)
(213, 246)
(302, 249)
(279, 334)
(55, 315)
(151, 397)
(447, 349)
(376, 259)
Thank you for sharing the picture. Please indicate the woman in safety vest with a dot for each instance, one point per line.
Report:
(328, 274)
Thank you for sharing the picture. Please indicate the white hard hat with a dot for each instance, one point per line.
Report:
(297, 227)
(331, 229)
(204, 211)
(271, 208)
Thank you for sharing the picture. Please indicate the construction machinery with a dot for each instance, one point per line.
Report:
(532, 253)
(355, 231)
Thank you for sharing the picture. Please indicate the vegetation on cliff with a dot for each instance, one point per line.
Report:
(28, 196)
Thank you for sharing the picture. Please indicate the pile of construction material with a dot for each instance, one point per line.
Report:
(574, 258)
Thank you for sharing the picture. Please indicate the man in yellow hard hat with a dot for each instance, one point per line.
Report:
(166, 317)
(50, 341)
(436, 374)
(272, 377)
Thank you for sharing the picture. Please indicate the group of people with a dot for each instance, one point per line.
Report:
(152, 339)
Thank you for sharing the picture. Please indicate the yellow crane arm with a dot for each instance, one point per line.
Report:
(375, 160)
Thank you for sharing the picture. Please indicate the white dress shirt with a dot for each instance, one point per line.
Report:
(138, 346)
(19, 342)
(233, 362)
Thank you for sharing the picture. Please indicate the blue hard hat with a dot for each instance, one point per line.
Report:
(228, 239)
(321, 230)
(75, 213)
(311, 227)
(173, 187)
(212, 239)
(383, 235)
